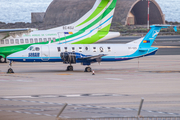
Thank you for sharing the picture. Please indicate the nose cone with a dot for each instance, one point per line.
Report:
(15, 56)
(12, 57)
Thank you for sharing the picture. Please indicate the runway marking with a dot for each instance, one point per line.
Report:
(20, 112)
(57, 96)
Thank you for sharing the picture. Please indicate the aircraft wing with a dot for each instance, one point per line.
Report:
(95, 57)
(4, 33)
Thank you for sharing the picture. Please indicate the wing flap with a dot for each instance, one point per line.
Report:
(92, 57)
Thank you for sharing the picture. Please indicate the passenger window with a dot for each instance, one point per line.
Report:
(40, 39)
(80, 49)
(45, 39)
(26, 40)
(65, 49)
(31, 40)
(7, 41)
(59, 49)
(101, 49)
(54, 39)
(94, 49)
(86, 48)
(2, 41)
(49, 39)
(36, 40)
(17, 41)
(12, 41)
(37, 48)
(109, 49)
(22, 40)
(73, 49)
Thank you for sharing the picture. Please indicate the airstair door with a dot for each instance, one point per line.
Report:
(45, 53)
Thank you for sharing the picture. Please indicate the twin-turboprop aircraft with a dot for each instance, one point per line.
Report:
(92, 27)
(86, 54)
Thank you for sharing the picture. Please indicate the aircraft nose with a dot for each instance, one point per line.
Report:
(14, 56)
(11, 57)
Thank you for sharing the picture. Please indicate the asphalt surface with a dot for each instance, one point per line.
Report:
(38, 90)
(161, 41)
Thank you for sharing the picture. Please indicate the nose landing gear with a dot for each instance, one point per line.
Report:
(10, 70)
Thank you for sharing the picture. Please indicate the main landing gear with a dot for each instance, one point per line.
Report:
(10, 70)
(88, 69)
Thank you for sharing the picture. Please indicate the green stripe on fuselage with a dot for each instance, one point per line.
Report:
(7, 50)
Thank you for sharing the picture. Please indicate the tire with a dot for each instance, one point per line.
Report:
(10, 70)
(88, 69)
(2, 59)
(70, 68)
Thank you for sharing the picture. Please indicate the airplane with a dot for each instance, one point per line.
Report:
(93, 27)
(86, 54)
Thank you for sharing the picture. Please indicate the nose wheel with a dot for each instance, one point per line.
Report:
(69, 68)
(88, 69)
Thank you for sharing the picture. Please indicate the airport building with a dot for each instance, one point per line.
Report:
(127, 12)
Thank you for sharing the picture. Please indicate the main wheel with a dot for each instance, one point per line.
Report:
(69, 68)
(88, 69)
(2, 59)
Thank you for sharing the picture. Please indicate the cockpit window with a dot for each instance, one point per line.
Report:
(37, 48)
(31, 48)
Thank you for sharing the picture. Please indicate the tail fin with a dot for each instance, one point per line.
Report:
(99, 17)
(152, 34)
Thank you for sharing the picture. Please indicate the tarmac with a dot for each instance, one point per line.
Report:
(39, 90)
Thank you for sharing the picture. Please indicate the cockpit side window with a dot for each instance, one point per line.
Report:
(37, 48)
(31, 48)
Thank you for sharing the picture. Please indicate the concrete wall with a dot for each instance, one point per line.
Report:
(37, 17)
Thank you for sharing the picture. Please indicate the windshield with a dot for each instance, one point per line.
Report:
(32, 48)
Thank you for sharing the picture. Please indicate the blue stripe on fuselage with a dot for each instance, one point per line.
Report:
(58, 59)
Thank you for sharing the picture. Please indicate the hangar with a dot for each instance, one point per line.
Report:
(133, 12)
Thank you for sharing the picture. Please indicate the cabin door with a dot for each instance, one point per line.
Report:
(45, 53)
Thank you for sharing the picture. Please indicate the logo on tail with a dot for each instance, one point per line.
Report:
(155, 32)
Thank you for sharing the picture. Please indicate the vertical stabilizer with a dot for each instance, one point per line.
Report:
(99, 17)
(152, 34)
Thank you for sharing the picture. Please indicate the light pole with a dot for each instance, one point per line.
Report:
(148, 17)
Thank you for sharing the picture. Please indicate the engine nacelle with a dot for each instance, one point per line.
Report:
(68, 57)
